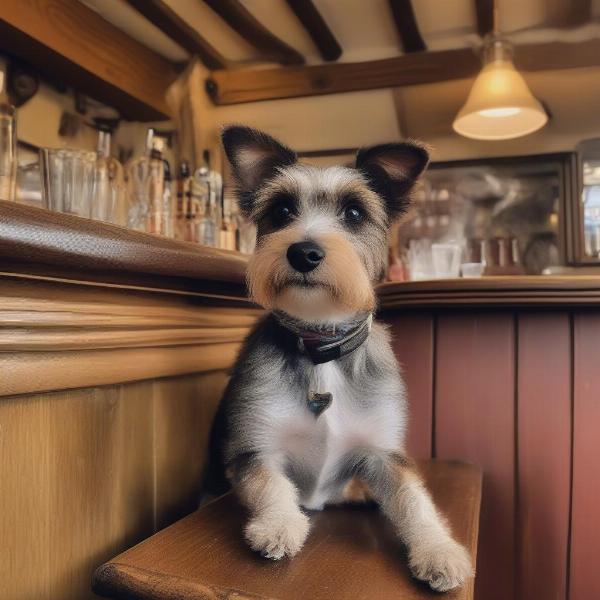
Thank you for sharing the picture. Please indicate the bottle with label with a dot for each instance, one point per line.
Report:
(109, 202)
(8, 145)
(203, 209)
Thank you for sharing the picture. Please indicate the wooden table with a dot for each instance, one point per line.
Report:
(351, 553)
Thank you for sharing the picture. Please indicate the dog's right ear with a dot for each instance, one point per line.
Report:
(254, 157)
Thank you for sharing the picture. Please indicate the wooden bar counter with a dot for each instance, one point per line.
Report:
(114, 350)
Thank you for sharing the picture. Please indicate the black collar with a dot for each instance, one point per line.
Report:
(324, 346)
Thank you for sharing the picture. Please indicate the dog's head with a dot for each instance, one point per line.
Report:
(322, 232)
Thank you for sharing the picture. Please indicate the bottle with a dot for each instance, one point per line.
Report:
(109, 202)
(146, 187)
(228, 229)
(167, 204)
(182, 219)
(8, 145)
(204, 209)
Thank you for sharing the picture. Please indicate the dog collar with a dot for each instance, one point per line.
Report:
(322, 349)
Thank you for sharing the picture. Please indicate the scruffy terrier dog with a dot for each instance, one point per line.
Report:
(315, 411)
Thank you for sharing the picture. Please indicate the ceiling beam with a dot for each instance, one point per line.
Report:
(174, 27)
(570, 14)
(484, 11)
(244, 85)
(67, 40)
(406, 25)
(254, 32)
(317, 28)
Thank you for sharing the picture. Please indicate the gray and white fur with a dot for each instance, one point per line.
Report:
(321, 247)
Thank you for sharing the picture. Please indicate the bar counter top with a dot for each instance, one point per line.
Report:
(39, 243)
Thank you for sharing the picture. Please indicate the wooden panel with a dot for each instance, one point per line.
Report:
(249, 85)
(544, 454)
(183, 418)
(585, 528)
(87, 473)
(412, 339)
(350, 554)
(474, 421)
(71, 41)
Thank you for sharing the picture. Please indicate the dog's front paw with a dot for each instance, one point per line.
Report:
(444, 565)
(276, 536)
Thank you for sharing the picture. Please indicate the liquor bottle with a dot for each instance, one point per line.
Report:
(146, 187)
(109, 203)
(203, 209)
(167, 204)
(182, 224)
(8, 145)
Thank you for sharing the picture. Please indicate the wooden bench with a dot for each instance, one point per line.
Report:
(351, 553)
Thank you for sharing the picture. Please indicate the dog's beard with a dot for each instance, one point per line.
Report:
(337, 289)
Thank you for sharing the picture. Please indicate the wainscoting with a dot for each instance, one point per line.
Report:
(518, 393)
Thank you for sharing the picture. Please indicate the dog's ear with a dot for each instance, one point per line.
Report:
(254, 157)
(392, 170)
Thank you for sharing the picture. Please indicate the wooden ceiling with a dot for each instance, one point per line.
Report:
(265, 49)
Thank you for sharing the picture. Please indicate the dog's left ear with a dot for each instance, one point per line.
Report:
(392, 170)
(254, 157)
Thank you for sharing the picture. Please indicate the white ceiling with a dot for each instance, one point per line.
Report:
(365, 29)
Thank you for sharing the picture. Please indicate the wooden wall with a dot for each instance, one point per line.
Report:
(518, 393)
(106, 399)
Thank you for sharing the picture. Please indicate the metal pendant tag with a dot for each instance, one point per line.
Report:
(317, 403)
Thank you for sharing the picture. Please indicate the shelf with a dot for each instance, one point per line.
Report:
(71, 43)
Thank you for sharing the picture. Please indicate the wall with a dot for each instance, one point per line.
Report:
(520, 399)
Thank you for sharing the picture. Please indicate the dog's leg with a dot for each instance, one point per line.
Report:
(277, 527)
(434, 556)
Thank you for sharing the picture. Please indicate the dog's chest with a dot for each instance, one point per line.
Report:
(351, 421)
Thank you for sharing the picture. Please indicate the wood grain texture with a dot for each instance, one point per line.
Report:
(350, 553)
(40, 242)
(173, 26)
(66, 38)
(61, 336)
(474, 421)
(413, 343)
(508, 292)
(316, 27)
(544, 454)
(84, 476)
(585, 524)
(250, 85)
(406, 24)
(241, 20)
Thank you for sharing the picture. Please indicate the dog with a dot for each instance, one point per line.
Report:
(315, 411)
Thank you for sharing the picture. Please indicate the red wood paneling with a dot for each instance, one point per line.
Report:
(544, 454)
(413, 344)
(585, 524)
(474, 421)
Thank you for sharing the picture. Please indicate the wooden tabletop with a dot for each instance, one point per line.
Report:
(351, 553)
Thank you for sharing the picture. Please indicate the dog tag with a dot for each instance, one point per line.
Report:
(317, 403)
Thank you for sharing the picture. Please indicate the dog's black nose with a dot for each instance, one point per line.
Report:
(305, 256)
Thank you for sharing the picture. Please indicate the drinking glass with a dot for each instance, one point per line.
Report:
(68, 180)
(8, 152)
(446, 260)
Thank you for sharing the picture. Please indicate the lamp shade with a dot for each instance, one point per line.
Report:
(500, 106)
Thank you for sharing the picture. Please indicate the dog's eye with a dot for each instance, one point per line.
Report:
(282, 213)
(353, 214)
